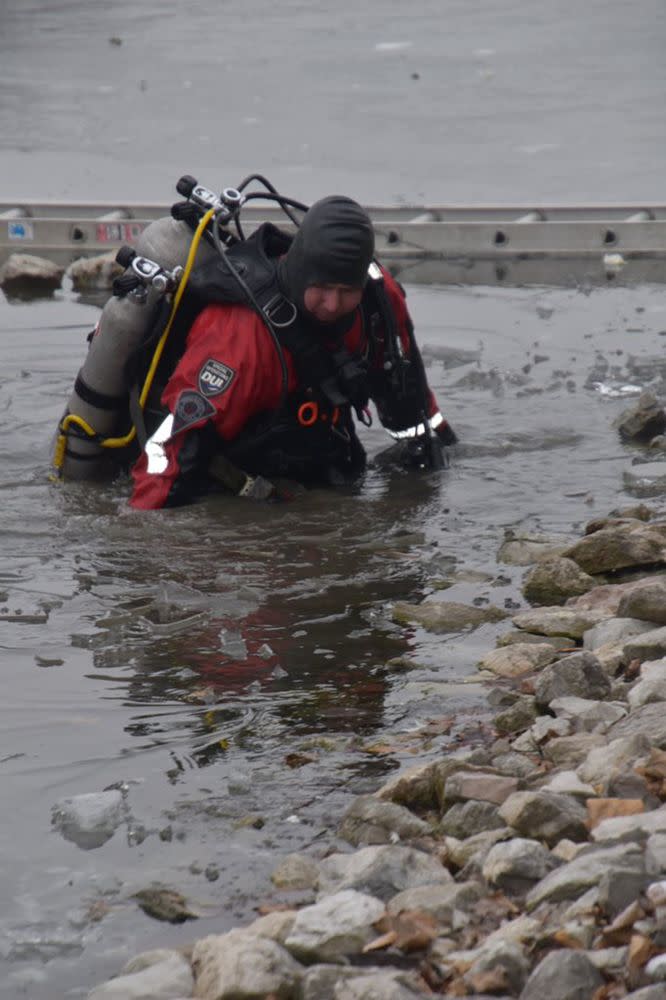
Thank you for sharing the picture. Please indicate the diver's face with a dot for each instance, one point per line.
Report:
(329, 303)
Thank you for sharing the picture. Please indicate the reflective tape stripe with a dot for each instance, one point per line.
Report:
(417, 431)
(155, 453)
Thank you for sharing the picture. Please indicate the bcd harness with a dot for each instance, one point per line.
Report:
(316, 422)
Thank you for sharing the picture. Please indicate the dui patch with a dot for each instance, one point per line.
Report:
(215, 378)
(191, 409)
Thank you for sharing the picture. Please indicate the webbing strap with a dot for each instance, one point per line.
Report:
(93, 397)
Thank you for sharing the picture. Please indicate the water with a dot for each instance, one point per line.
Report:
(224, 665)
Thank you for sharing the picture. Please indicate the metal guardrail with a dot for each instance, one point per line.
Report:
(556, 244)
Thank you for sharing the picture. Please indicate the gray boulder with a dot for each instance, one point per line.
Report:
(371, 821)
(380, 871)
(555, 580)
(619, 547)
(545, 816)
(563, 975)
(579, 675)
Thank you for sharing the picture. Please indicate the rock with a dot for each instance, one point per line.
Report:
(647, 603)
(515, 865)
(647, 993)
(555, 580)
(637, 827)
(517, 659)
(520, 765)
(656, 969)
(567, 751)
(276, 926)
(380, 871)
(655, 853)
(648, 721)
(603, 763)
(651, 686)
(614, 630)
(24, 274)
(568, 783)
(618, 888)
(296, 871)
(504, 961)
(642, 422)
(461, 853)
(563, 975)
(646, 479)
(334, 927)
(166, 976)
(586, 870)
(465, 818)
(371, 821)
(463, 786)
(517, 717)
(383, 985)
(571, 622)
(94, 273)
(328, 982)
(165, 904)
(648, 646)
(525, 548)
(449, 904)
(544, 728)
(556, 642)
(579, 675)
(545, 816)
(619, 547)
(445, 616)
(588, 714)
(89, 820)
(241, 965)
(414, 788)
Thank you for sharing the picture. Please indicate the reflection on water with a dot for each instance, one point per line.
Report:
(234, 667)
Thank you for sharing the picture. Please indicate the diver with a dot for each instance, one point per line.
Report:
(281, 344)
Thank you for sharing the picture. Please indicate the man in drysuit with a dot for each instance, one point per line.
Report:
(279, 401)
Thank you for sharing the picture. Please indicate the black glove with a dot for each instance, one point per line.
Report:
(429, 451)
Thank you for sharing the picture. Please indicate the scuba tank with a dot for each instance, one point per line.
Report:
(146, 296)
(99, 399)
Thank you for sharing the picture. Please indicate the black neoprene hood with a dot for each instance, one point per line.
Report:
(334, 246)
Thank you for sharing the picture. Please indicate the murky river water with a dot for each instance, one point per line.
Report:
(186, 655)
(194, 657)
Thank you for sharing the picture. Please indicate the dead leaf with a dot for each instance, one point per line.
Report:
(265, 908)
(410, 930)
(632, 669)
(600, 809)
(383, 941)
(567, 940)
(493, 981)
(640, 952)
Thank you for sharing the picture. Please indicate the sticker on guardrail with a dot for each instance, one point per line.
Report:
(20, 231)
(118, 232)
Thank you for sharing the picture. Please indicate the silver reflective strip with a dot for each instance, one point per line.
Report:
(155, 453)
(419, 429)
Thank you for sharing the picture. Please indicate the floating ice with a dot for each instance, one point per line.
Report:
(89, 820)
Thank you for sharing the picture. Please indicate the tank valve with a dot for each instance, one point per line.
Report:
(142, 273)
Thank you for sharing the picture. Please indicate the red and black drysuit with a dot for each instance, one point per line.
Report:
(226, 394)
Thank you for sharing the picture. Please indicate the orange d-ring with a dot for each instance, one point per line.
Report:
(307, 414)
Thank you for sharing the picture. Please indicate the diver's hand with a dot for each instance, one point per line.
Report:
(430, 451)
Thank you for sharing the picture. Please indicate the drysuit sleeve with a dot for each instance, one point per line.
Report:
(226, 375)
(400, 387)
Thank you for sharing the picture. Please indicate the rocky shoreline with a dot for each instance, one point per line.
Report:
(533, 867)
